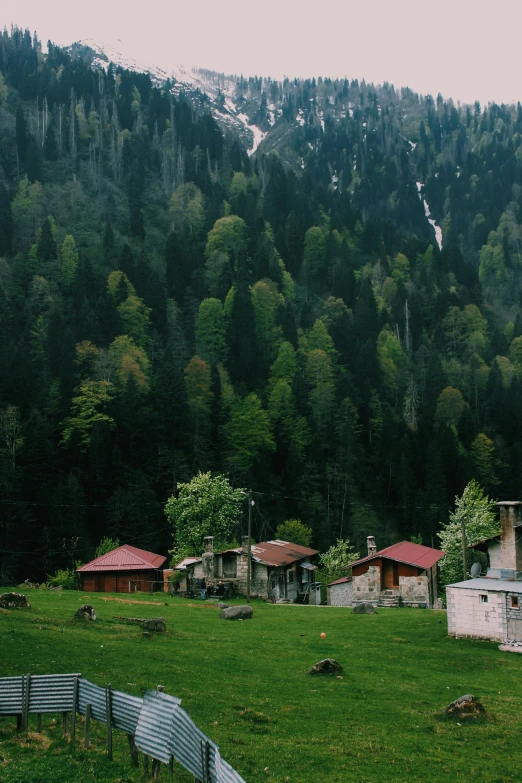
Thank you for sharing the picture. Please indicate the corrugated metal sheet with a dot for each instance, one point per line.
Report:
(155, 725)
(124, 558)
(125, 711)
(161, 727)
(88, 693)
(340, 581)
(406, 552)
(186, 744)
(51, 692)
(227, 774)
(276, 553)
(11, 695)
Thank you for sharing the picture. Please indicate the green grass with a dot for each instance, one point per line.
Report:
(245, 684)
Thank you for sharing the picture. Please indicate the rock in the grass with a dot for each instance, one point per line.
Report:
(157, 624)
(14, 601)
(146, 634)
(85, 612)
(221, 605)
(466, 706)
(363, 608)
(327, 666)
(237, 613)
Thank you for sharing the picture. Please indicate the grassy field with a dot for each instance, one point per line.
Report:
(246, 685)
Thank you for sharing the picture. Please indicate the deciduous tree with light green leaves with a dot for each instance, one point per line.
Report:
(205, 506)
(478, 513)
(333, 562)
(294, 531)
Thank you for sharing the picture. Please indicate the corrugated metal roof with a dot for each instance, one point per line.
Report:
(340, 581)
(493, 585)
(125, 558)
(277, 552)
(182, 565)
(406, 552)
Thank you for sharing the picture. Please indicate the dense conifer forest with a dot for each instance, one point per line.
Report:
(171, 304)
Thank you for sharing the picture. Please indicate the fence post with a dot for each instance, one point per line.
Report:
(87, 725)
(26, 684)
(39, 726)
(171, 770)
(74, 707)
(108, 718)
(65, 721)
(145, 766)
(156, 764)
(133, 750)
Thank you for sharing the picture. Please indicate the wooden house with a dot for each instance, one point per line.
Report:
(126, 569)
(404, 573)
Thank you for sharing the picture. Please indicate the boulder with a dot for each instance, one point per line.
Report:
(327, 666)
(466, 706)
(85, 612)
(221, 605)
(14, 601)
(237, 613)
(157, 624)
(363, 608)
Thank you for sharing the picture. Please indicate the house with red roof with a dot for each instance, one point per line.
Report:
(402, 574)
(126, 569)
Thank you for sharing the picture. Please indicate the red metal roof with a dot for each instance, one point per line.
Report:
(125, 558)
(406, 552)
(340, 581)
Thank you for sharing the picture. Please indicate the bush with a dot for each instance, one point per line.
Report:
(66, 578)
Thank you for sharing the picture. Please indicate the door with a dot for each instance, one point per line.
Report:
(387, 569)
(282, 590)
(99, 583)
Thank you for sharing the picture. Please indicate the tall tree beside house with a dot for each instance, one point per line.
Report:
(477, 513)
(205, 506)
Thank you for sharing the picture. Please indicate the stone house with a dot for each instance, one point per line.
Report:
(404, 573)
(490, 607)
(280, 570)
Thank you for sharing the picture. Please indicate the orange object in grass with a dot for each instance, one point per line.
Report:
(323, 636)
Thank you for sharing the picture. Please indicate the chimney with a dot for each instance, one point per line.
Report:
(372, 547)
(244, 545)
(509, 519)
(209, 543)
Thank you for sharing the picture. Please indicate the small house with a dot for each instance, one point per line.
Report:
(404, 573)
(490, 606)
(280, 570)
(126, 569)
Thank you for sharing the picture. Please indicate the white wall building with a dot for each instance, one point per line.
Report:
(490, 607)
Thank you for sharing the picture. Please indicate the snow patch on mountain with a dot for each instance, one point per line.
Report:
(427, 212)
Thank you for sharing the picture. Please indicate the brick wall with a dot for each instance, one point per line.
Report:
(469, 615)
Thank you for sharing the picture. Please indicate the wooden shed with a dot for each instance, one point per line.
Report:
(126, 569)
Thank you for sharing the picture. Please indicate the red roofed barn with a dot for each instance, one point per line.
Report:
(124, 570)
(404, 573)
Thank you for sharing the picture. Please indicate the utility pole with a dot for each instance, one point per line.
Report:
(249, 545)
(464, 564)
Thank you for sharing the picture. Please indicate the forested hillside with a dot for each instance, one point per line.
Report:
(170, 303)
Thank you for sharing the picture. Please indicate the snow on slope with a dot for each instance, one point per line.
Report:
(436, 228)
(219, 88)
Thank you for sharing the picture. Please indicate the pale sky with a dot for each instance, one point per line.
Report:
(467, 50)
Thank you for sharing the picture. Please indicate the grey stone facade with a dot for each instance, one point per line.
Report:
(367, 587)
(340, 594)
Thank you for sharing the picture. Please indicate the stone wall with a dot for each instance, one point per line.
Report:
(470, 615)
(367, 587)
(414, 591)
(341, 594)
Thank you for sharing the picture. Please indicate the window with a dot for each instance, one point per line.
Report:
(290, 577)
(483, 599)
(514, 601)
